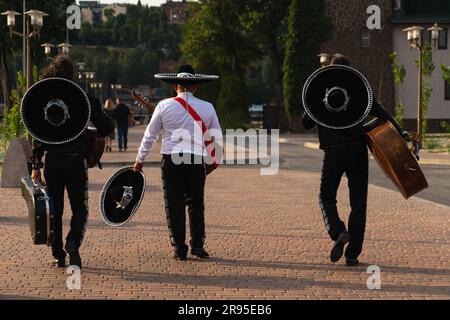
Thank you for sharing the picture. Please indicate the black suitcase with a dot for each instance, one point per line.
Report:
(40, 211)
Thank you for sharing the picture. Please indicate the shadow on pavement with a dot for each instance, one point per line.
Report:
(282, 282)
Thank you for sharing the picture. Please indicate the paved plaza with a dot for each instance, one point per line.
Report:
(265, 234)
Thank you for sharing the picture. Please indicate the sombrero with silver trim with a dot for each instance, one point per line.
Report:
(185, 76)
(55, 111)
(121, 196)
(337, 97)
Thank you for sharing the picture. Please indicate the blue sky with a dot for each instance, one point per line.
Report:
(147, 2)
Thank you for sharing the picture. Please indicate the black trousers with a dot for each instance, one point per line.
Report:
(122, 132)
(184, 185)
(68, 171)
(351, 159)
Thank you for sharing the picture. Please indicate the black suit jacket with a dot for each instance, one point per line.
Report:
(329, 137)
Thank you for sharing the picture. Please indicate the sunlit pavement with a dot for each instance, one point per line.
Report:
(265, 235)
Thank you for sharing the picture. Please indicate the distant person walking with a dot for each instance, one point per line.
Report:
(110, 110)
(123, 118)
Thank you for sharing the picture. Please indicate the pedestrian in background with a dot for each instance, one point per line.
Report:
(123, 118)
(109, 110)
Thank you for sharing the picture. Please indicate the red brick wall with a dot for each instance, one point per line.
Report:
(349, 17)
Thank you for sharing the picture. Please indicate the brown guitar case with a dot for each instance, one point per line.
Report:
(396, 160)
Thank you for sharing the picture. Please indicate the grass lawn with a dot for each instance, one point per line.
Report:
(437, 143)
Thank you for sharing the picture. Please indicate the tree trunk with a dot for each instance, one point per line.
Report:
(277, 72)
(4, 78)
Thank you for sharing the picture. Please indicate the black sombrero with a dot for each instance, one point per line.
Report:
(55, 111)
(121, 196)
(185, 76)
(337, 97)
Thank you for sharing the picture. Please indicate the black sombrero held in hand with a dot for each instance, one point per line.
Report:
(185, 76)
(337, 97)
(121, 196)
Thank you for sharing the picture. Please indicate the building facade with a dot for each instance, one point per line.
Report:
(94, 12)
(176, 11)
(115, 9)
(369, 51)
(91, 12)
(423, 13)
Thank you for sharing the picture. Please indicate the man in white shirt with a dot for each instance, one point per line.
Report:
(183, 150)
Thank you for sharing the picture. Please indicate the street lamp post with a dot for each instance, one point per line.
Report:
(97, 90)
(81, 66)
(89, 76)
(63, 49)
(324, 59)
(85, 75)
(47, 49)
(94, 86)
(414, 36)
(37, 21)
(100, 88)
(99, 94)
(116, 88)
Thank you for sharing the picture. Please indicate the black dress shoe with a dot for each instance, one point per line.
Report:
(200, 252)
(74, 255)
(60, 261)
(180, 257)
(351, 262)
(59, 256)
(338, 248)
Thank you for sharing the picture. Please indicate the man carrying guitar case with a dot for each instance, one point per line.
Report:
(57, 112)
(338, 99)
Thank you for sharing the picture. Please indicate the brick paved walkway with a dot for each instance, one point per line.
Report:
(266, 237)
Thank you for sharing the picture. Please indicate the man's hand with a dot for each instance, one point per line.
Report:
(36, 176)
(138, 167)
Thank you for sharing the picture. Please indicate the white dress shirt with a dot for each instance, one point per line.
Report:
(180, 133)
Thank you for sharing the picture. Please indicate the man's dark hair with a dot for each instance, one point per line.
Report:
(340, 59)
(61, 67)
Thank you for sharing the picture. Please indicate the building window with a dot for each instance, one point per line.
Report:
(365, 38)
(443, 39)
(447, 91)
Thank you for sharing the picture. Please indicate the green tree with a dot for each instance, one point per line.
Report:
(215, 41)
(130, 46)
(307, 29)
(232, 102)
(445, 72)
(399, 73)
(12, 126)
(266, 21)
(428, 68)
(215, 34)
